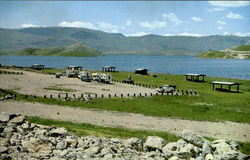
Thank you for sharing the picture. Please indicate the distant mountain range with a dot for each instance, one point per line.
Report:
(77, 49)
(113, 43)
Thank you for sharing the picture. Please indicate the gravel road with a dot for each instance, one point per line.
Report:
(227, 130)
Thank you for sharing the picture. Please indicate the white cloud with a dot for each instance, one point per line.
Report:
(220, 28)
(128, 23)
(138, 34)
(229, 3)
(105, 26)
(28, 25)
(221, 22)
(153, 25)
(226, 34)
(241, 34)
(167, 34)
(216, 9)
(234, 16)
(191, 34)
(196, 19)
(237, 34)
(77, 24)
(172, 18)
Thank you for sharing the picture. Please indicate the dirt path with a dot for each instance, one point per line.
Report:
(227, 130)
(36, 83)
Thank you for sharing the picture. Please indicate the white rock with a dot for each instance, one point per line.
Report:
(134, 143)
(58, 132)
(192, 137)
(154, 142)
(4, 117)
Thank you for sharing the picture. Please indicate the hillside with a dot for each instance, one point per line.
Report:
(238, 52)
(77, 49)
(114, 43)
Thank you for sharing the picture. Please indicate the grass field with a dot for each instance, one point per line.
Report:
(209, 105)
(82, 129)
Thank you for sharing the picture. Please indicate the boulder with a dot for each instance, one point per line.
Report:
(58, 132)
(17, 120)
(134, 143)
(4, 117)
(3, 149)
(154, 143)
(61, 145)
(192, 137)
(224, 150)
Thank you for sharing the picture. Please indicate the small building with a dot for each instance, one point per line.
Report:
(38, 66)
(141, 71)
(108, 69)
(195, 77)
(229, 84)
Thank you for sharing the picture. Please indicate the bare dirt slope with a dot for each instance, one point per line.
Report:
(35, 84)
(227, 130)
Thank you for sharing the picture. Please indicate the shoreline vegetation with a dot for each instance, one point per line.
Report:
(239, 52)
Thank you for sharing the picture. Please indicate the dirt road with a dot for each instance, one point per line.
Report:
(227, 130)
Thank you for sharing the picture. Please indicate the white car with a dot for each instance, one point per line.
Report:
(166, 89)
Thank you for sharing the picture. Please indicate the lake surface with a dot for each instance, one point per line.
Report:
(232, 68)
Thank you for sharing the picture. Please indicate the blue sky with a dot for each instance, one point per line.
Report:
(132, 18)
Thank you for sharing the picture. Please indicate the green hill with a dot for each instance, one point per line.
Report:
(238, 52)
(77, 49)
(242, 48)
(114, 43)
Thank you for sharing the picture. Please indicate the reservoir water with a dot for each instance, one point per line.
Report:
(231, 68)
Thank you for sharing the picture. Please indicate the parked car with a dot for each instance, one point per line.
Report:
(166, 89)
(72, 71)
(84, 76)
(128, 81)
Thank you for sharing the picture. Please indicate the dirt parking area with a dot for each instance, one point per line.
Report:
(32, 83)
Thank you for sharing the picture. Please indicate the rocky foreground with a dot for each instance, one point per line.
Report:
(20, 139)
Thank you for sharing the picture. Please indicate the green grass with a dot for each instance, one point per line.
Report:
(212, 54)
(242, 48)
(208, 106)
(83, 129)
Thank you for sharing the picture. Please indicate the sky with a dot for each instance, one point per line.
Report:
(132, 18)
